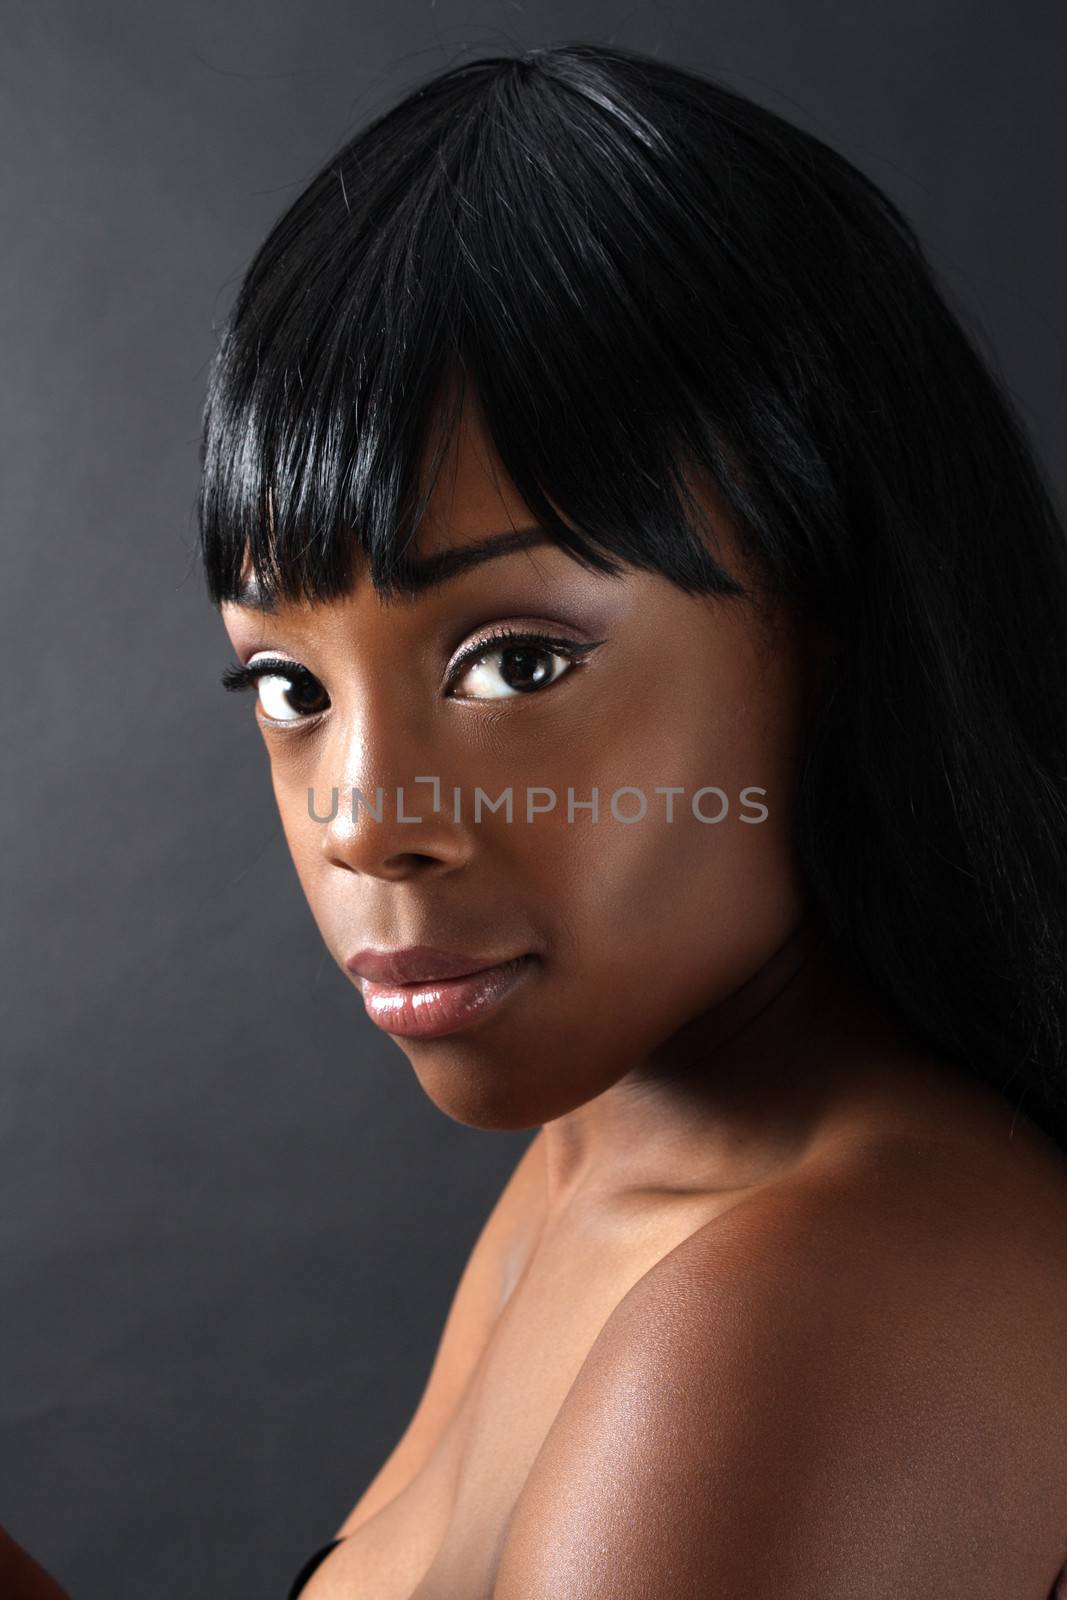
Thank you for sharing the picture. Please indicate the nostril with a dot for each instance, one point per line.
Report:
(412, 860)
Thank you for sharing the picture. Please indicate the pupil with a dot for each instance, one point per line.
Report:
(302, 684)
(530, 668)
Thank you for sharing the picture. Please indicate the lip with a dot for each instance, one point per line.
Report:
(418, 963)
(422, 993)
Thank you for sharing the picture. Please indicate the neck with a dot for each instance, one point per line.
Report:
(735, 1097)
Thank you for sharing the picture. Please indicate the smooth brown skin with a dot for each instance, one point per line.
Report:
(770, 1305)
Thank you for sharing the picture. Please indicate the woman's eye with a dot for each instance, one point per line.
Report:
(286, 691)
(290, 697)
(499, 671)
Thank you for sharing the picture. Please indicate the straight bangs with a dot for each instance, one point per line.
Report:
(517, 233)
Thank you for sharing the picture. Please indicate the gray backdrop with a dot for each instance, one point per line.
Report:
(231, 1222)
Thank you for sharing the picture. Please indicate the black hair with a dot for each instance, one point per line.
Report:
(641, 274)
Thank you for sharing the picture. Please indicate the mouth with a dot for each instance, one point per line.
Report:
(420, 993)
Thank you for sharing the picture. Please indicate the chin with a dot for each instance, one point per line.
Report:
(500, 1089)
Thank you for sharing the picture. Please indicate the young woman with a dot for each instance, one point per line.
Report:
(589, 434)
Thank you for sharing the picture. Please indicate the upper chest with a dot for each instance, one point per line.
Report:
(441, 1537)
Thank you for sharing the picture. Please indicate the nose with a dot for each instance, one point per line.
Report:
(392, 831)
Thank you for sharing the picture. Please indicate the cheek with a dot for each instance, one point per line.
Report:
(662, 918)
(290, 782)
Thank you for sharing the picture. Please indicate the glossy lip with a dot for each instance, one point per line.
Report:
(438, 1004)
(417, 963)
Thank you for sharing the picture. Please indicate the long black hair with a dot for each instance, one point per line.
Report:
(639, 273)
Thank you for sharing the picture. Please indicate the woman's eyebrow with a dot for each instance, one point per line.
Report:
(415, 575)
(426, 572)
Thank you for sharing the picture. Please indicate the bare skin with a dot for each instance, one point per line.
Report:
(765, 1277)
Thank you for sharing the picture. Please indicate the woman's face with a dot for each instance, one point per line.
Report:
(632, 924)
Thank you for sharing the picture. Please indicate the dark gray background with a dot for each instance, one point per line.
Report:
(231, 1222)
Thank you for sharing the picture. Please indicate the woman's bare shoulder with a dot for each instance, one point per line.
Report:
(945, 1197)
(957, 1231)
(877, 1339)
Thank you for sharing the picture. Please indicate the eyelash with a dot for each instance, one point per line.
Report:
(239, 678)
